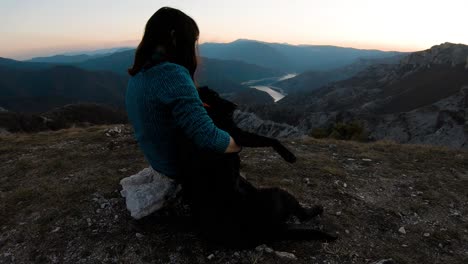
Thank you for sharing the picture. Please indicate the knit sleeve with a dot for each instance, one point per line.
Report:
(189, 114)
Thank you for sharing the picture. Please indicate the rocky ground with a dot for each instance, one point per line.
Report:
(389, 203)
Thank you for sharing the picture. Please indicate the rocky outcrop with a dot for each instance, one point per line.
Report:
(251, 123)
(446, 53)
(443, 123)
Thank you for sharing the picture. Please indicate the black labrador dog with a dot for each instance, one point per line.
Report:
(228, 208)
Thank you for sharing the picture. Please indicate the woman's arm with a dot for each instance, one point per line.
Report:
(190, 115)
(232, 147)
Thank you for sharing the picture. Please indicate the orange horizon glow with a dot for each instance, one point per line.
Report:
(49, 27)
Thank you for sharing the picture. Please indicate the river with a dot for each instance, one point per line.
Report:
(265, 85)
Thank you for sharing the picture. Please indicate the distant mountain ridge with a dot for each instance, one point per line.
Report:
(290, 58)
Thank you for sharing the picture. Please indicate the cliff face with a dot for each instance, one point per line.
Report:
(442, 123)
(60, 202)
(251, 123)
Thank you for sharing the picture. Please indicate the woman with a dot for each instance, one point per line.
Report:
(161, 94)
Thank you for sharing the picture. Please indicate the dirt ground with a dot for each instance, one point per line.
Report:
(60, 202)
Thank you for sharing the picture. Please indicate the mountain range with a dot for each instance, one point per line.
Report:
(289, 58)
(415, 97)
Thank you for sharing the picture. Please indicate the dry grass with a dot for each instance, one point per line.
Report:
(60, 202)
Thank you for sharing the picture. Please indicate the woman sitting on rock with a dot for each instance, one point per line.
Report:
(161, 94)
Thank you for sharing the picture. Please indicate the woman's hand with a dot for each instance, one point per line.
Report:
(233, 147)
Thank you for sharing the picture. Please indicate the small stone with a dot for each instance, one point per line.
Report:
(285, 255)
(345, 185)
(368, 160)
(236, 254)
(139, 235)
(338, 213)
(404, 245)
(116, 217)
(347, 231)
(307, 181)
(427, 234)
(402, 230)
(210, 257)
(264, 248)
(103, 205)
(55, 230)
(350, 159)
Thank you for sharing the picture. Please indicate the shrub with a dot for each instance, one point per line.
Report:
(342, 131)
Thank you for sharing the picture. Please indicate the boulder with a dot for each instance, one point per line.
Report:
(147, 192)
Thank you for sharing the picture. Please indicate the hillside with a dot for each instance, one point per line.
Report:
(312, 80)
(60, 202)
(422, 99)
(28, 90)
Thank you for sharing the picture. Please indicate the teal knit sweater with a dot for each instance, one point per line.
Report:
(160, 100)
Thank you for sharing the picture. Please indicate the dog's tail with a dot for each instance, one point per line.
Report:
(301, 232)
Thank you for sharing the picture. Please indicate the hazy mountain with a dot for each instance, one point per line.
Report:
(33, 86)
(117, 62)
(237, 71)
(289, 58)
(311, 80)
(23, 89)
(14, 64)
(62, 59)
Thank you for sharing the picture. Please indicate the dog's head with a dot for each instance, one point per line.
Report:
(213, 102)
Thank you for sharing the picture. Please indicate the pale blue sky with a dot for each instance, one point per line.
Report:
(43, 27)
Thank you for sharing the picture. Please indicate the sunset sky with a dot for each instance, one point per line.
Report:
(31, 28)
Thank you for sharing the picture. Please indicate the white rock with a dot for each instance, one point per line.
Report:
(368, 160)
(210, 256)
(338, 213)
(138, 235)
(427, 234)
(285, 255)
(147, 191)
(402, 230)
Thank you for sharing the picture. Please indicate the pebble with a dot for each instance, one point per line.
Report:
(285, 255)
(345, 185)
(347, 231)
(338, 213)
(264, 248)
(55, 230)
(139, 235)
(402, 230)
(210, 256)
(427, 234)
(368, 160)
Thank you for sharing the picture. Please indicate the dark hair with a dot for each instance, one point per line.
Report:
(176, 33)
